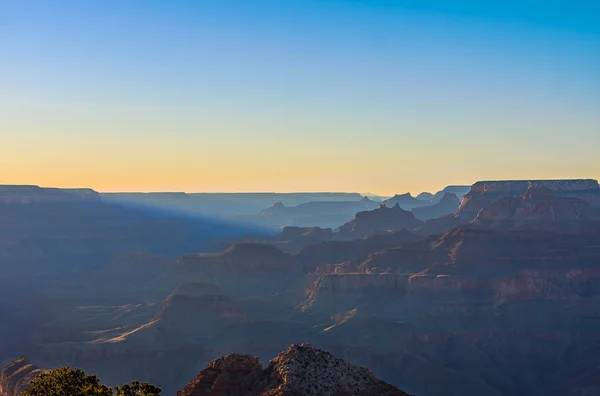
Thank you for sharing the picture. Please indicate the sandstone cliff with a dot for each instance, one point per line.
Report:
(301, 370)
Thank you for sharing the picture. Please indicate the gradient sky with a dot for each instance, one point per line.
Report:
(285, 95)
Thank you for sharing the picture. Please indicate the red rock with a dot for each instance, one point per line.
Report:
(301, 370)
(16, 376)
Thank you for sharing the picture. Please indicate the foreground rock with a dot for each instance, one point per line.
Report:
(298, 371)
(16, 376)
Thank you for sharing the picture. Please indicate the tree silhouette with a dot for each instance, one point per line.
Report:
(67, 381)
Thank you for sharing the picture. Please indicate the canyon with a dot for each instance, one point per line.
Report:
(500, 297)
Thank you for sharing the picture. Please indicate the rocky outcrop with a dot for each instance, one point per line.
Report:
(447, 205)
(431, 199)
(405, 201)
(301, 370)
(229, 375)
(378, 221)
(16, 376)
(21, 194)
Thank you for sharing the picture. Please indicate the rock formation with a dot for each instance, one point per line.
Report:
(447, 205)
(406, 201)
(16, 376)
(484, 193)
(378, 221)
(539, 206)
(301, 370)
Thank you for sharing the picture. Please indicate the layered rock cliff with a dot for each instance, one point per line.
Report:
(301, 370)
(539, 206)
(16, 376)
(484, 193)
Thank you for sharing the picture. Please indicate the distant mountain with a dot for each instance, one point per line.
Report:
(311, 214)
(222, 205)
(448, 204)
(406, 201)
(425, 196)
(12, 194)
(301, 370)
(377, 221)
(459, 191)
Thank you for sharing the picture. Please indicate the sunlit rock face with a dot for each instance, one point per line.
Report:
(300, 370)
(16, 376)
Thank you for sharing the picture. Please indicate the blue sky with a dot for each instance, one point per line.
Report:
(380, 96)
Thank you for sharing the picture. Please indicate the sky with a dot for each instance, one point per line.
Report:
(374, 96)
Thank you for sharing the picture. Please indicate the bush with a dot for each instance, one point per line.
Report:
(67, 381)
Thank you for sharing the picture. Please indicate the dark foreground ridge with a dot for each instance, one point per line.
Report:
(301, 370)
